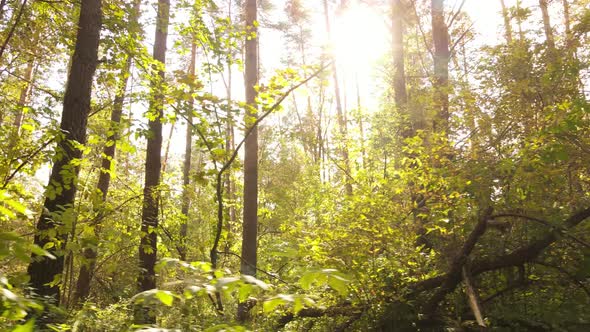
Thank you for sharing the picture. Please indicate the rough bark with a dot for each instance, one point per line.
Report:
(63, 174)
(250, 222)
(440, 36)
(149, 215)
(90, 253)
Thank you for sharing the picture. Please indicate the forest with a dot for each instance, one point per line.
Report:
(294, 165)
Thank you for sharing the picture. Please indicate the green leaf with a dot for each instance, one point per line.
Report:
(29, 326)
(339, 284)
(271, 304)
(165, 297)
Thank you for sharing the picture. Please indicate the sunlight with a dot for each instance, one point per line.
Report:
(360, 37)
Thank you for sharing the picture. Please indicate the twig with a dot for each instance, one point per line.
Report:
(257, 268)
(24, 162)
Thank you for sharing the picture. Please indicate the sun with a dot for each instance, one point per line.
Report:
(360, 37)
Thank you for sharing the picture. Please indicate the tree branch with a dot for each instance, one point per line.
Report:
(524, 254)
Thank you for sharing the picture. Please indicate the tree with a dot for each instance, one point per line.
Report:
(442, 55)
(341, 118)
(186, 167)
(397, 35)
(148, 248)
(90, 253)
(250, 221)
(547, 25)
(507, 24)
(57, 216)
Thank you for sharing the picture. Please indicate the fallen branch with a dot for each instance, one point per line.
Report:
(349, 311)
(473, 298)
(454, 276)
(525, 254)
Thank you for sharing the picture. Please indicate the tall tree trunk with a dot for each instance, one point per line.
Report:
(440, 36)
(547, 25)
(507, 24)
(567, 23)
(339, 110)
(149, 215)
(229, 145)
(90, 253)
(397, 34)
(519, 22)
(61, 190)
(360, 122)
(250, 223)
(186, 167)
(22, 100)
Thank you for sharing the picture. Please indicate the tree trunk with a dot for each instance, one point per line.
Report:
(399, 76)
(547, 25)
(109, 151)
(339, 111)
(22, 100)
(250, 223)
(2, 4)
(168, 142)
(507, 24)
(521, 35)
(440, 36)
(64, 174)
(12, 29)
(186, 167)
(567, 23)
(149, 214)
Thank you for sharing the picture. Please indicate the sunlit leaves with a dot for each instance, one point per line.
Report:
(334, 279)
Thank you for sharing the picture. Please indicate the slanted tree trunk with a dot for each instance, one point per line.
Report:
(17, 18)
(61, 190)
(440, 36)
(250, 223)
(149, 215)
(167, 150)
(339, 111)
(104, 179)
(507, 24)
(186, 167)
